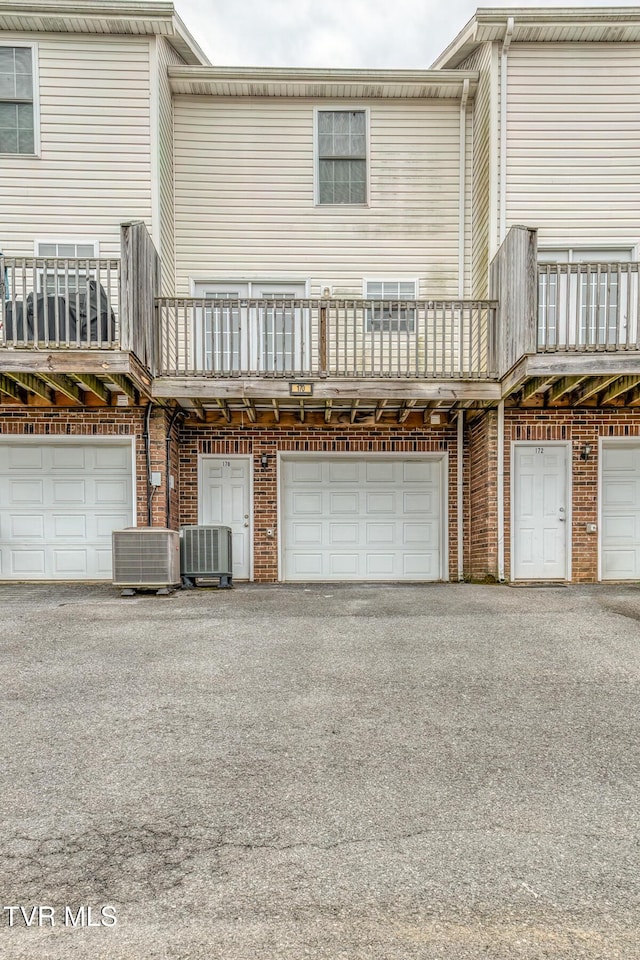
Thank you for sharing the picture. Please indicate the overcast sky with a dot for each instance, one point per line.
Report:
(330, 33)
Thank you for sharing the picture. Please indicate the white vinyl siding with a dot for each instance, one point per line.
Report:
(94, 170)
(480, 149)
(17, 100)
(573, 157)
(245, 204)
(167, 56)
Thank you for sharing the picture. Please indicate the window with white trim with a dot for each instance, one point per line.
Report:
(17, 115)
(342, 156)
(391, 316)
(62, 279)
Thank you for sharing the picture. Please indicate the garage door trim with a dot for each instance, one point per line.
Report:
(441, 457)
(79, 439)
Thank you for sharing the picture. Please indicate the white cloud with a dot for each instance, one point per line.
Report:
(403, 34)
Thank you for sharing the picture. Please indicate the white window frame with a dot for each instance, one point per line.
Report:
(87, 241)
(410, 328)
(35, 73)
(588, 327)
(341, 108)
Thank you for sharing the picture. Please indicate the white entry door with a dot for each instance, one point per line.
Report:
(620, 506)
(362, 518)
(540, 511)
(225, 499)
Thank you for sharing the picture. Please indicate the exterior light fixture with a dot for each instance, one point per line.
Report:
(587, 448)
(264, 461)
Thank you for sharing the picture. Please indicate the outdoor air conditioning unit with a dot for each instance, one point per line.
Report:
(205, 553)
(146, 558)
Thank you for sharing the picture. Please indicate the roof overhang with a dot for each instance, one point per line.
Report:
(543, 25)
(116, 17)
(320, 83)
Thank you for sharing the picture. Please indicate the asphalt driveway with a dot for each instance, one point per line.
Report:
(334, 772)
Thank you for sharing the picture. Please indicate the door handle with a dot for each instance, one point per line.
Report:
(246, 523)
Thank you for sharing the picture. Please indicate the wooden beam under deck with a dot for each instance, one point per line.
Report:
(257, 388)
(64, 385)
(623, 385)
(34, 385)
(11, 389)
(563, 386)
(91, 383)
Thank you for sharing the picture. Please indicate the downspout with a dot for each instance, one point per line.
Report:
(460, 493)
(500, 492)
(176, 413)
(506, 43)
(463, 186)
(147, 451)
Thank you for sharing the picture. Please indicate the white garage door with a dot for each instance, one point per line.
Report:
(349, 518)
(620, 499)
(59, 502)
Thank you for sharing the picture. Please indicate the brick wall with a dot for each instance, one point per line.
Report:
(579, 426)
(105, 422)
(205, 439)
(481, 441)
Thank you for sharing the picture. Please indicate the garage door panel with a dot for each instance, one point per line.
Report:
(381, 503)
(344, 503)
(344, 533)
(362, 533)
(347, 472)
(620, 522)
(59, 504)
(309, 503)
(420, 472)
(70, 562)
(307, 533)
(68, 491)
(105, 525)
(307, 472)
(26, 491)
(419, 564)
(26, 526)
(379, 471)
(381, 533)
(22, 457)
(111, 491)
(68, 458)
(27, 563)
(423, 533)
(72, 526)
(344, 565)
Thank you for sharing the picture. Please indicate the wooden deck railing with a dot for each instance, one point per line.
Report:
(435, 339)
(55, 303)
(586, 307)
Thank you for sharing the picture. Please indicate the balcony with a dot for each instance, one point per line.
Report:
(588, 307)
(352, 339)
(79, 330)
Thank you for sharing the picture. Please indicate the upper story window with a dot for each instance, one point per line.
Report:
(17, 114)
(342, 156)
